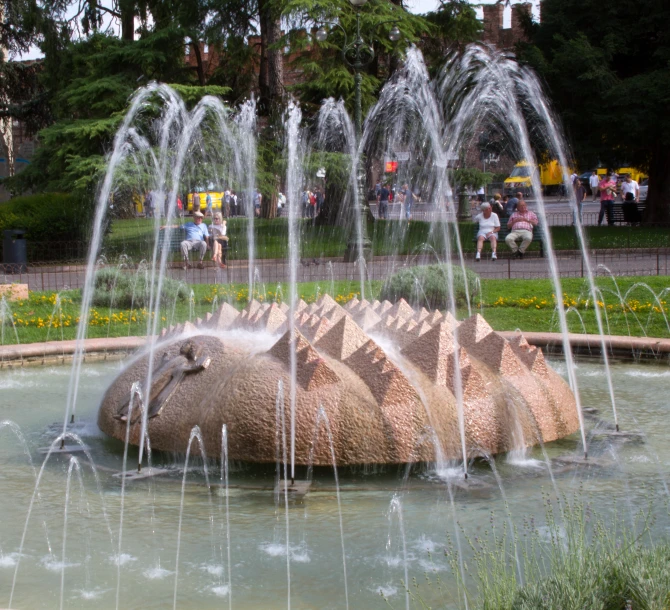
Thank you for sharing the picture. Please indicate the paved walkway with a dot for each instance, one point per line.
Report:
(272, 271)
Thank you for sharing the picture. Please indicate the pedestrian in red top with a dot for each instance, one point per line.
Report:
(607, 188)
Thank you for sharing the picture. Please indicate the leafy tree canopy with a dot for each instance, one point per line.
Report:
(607, 65)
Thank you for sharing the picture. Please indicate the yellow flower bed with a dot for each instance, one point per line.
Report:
(632, 305)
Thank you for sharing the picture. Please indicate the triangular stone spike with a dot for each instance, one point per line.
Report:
(164, 331)
(265, 307)
(530, 355)
(495, 351)
(302, 319)
(421, 315)
(252, 308)
(336, 314)
(315, 331)
(179, 329)
(362, 306)
(284, 307)
(312, 370)
(272, 320)
(431, 351)
(384, 379)
(313, 321)
(402, 310)
(189, 327)
(449, 319)
(282, 348)
(208, 317)
(409, 326)
(224, 317)
(434, 318)
(367, 319)
(422, 329)
(300, 305)
(472, 330)
(351, 304)
(326, 302)
(242, 320)
(312, 308)
(198, 321)
(384, 307)
(342, 340)
(376, 306)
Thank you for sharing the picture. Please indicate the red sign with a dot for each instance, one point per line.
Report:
(391, 167)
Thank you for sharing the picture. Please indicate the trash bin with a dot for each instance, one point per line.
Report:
(14, 251)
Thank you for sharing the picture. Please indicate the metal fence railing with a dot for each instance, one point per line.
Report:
(56, 276)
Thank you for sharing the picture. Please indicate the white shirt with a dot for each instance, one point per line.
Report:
(594, 181)
(486, 225)
(573, 178)
(629, 187)
(217, 230)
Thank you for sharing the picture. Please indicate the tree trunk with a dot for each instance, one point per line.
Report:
(271, 73)
(198, 59)
(658, 197)
(127, 10)
(7, 138)
(269, 203)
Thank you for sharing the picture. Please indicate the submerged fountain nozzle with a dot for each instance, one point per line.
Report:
(465, 475)
(72, 419)
(139, 467)
(617, 427)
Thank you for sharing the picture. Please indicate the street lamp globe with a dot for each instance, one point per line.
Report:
(394, 34)
(321, 34)
(358, 3)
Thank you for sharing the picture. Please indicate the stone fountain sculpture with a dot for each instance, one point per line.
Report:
(383, 374)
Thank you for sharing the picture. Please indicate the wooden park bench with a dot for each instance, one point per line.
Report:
(173, 244)
(629, 216)
(538, 234)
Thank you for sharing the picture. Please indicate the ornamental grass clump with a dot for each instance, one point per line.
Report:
(578, 560)
(122, 289)
(428, 286)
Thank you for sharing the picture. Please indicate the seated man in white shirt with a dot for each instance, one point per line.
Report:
(489, 225)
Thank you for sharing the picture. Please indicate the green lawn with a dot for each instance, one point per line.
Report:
(134, 237)
(507, 305)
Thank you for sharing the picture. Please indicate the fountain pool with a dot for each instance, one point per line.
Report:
(629, 476)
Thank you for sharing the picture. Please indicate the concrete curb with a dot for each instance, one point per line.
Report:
(60, 352)
(624, 347)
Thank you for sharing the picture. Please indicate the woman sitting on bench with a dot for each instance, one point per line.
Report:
(489, 225)
(219, 240)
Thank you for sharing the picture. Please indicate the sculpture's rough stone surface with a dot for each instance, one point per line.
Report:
(382, 406)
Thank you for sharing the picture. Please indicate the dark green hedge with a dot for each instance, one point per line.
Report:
(48, 217)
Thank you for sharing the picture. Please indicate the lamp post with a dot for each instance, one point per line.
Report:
(358, 54)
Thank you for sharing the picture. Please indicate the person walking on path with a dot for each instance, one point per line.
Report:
(208, 204)
(580, 195)
(607, 188)
(521, 225)
(512, 203)
(594, 181)
(383, 201)
(196, 239)
(489, 225)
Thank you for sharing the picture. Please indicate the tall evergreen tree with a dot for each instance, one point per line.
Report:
(607, 65)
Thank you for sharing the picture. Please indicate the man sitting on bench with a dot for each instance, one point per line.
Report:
(521, 225)
(196, 239)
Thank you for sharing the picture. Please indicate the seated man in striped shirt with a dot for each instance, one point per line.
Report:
(521, 225)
